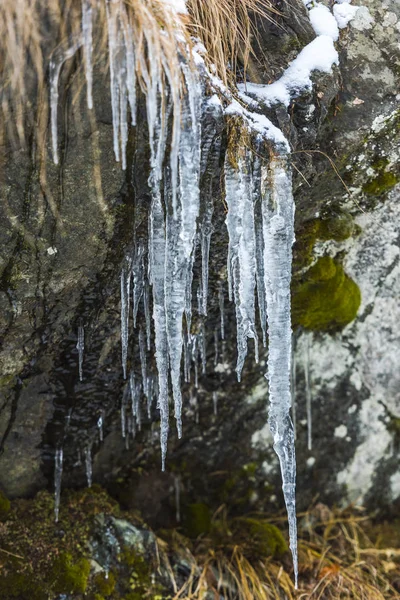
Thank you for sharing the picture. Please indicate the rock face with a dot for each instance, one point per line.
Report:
(67, 229)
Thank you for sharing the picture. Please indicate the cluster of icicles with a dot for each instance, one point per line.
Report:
(260, 227)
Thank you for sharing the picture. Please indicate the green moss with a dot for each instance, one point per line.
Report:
(5, 506)
(381, 184)
(337, 228)
(327, 299)
(259, 538)
(14, 584)
(69, 576)
(197, 519)
(104, 585)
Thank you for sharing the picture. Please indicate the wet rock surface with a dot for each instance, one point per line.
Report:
(64, 238)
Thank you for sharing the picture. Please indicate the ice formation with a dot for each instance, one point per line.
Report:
(260, 220)
(58, 469)
(80, 347)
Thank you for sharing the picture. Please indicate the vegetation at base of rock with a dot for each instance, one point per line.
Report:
(243, 557)
(5, 506)
(326, 299)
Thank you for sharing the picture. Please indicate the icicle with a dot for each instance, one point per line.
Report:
(146, 302)
(123, 414)
(216, 353)
(307, 381)
(58, 469)
(278, 229)
(293, 386)
(88, 465)
(186, 357)
(150, 392)
(138, 280)
(157, 273)
(143, 362)
(241, 251)
(125, 297)
(256, 192)
(221, 309)
(113, 42)
(188, 292)
(181, 231)
(80, 347)
(177, 485)
(100, 425)
(87, 33)
(215, 403)
(203, 349)
(59, 57)
(205, 233)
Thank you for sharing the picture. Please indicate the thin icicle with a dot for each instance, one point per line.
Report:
(216, 351)
(87, 33)
(80, 347)
(100, 425)
(222, 309)
(215, 403)
(278, 229)
(203, 348)
(205, 237)
(88, 465)
(125, 301)
(143, 362)
(59, 57)
(242, 251)
(138, 278)
(307, 381)
(123, 414)
(146, 302)
(58, 469)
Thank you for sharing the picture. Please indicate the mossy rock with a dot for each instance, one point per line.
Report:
(259, 538)
(327, 300)
(381, 184)
(338, 228)
(105, 585)
(69, 576)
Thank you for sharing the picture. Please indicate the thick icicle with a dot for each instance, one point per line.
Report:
(58, 469)
(80, 347)
(293, 386)
(259, 240)
(278, 229)
(157, 273)
(87, 34)
(181, 231)
(125, 301)
(242, 251)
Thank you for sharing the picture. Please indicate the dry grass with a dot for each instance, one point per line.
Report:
(337, 560)
(32, 31)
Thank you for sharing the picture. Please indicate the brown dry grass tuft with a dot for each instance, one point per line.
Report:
(32, 31)
(337, 559)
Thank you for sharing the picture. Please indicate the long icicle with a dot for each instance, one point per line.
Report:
(278, 229)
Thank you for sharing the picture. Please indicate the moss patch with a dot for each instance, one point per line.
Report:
(260, 538)
(327, 299)
(197, 519)
(337, 228)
